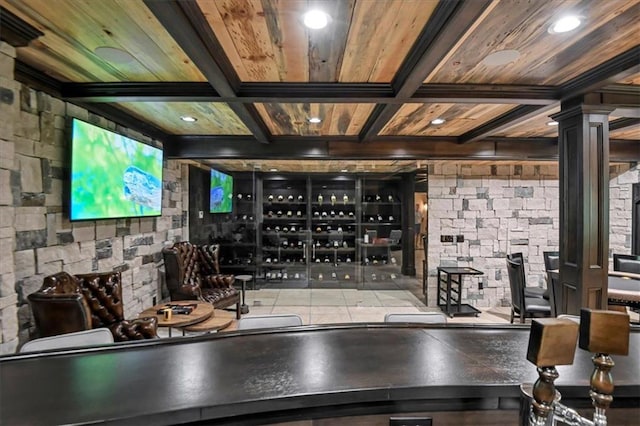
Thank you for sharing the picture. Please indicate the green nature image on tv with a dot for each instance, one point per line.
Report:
(113, 176)
(220, 192)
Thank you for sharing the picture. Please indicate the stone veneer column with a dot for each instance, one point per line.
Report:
(9, 109)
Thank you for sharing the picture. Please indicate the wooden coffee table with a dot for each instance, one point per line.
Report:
(202, 311)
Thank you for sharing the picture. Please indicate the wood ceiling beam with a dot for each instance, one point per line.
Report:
(185, 22)
(448, 23)
(307, 93)
(327, 148)
(615, 69)
(486, 93)
(623, 123)
(141, 92)
(509, 119)
(15, 31)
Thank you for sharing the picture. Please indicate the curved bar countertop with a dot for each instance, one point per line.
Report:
(277, 373)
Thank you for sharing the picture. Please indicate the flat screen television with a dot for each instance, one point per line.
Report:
(112, 176)
(220, 192)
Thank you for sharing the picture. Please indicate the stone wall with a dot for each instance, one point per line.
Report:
(506, 208)
(620, 196)
(36, 237)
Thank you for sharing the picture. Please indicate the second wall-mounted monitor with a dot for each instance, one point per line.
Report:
(220, 192)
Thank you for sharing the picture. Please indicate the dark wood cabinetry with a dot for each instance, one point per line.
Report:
(333, 232)
(311, 230)
(236, 231)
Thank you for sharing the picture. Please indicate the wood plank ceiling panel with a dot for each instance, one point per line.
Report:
(365, 41)
(631, 132)
(73, 29)
(535, 127)
(293, 119)
(415, 119)
(315, 166)
(381, 34)
(609, 28)
(213, 118)
(632, 79)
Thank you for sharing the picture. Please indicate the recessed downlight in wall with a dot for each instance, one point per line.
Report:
(437, 121)
(316, 19)
(315, 120)
(552, 123)
(273, 170)
(114, 55)
(501, 57)
(188, 119)
(344, 171)
(565, 24)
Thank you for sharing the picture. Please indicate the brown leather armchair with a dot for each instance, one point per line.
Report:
(193, 273)
(66, 303)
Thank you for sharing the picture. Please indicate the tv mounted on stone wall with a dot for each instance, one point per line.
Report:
(112, 176)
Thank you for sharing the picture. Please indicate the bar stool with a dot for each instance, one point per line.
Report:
(244, 309)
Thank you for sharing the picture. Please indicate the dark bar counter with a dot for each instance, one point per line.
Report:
(305, 372)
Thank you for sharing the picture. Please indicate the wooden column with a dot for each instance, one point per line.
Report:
(408, 220)
(583, 140)
(635, 220)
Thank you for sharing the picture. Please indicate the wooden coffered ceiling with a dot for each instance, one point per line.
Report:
(253, 74)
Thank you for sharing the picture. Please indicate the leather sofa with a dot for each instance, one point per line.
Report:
(67, 303)
(193, 273)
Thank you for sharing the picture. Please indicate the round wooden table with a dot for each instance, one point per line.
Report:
(219, 320)
(201, 312)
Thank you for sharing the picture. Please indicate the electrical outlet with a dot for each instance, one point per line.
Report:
(446, 238)
(459, 238)
(200, 214)
(153, 301)
(410, 421)
(480, 285)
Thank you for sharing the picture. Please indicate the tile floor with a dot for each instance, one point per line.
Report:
(322, 306)
(327, 306)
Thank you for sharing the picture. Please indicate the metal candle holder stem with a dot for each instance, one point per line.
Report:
(553, 342)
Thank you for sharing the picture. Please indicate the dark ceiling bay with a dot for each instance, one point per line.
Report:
(385, 79)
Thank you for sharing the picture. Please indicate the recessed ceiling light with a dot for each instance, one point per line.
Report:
(316, 19)
(315, 120)
(501, 57)
(437, 121)
(188, 119)
(565, 24)
(552, 123)
(112, 54)
(273, 170)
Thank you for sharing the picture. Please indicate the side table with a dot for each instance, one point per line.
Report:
(447, 278)
(244, 309)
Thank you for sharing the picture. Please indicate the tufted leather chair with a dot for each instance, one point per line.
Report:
(66, 303)
(626, 263)
(193, 273)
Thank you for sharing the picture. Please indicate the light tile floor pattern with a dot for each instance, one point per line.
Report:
(330, 306)
(323, 306)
